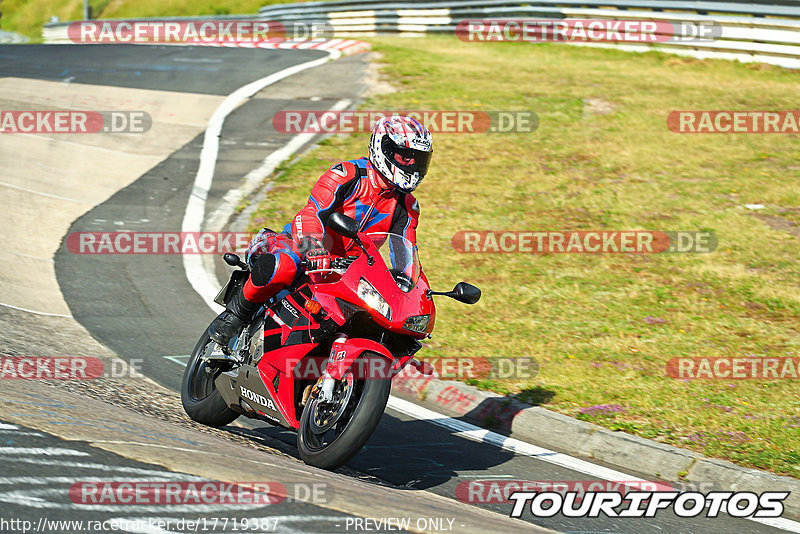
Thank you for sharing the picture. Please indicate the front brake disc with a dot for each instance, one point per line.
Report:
(325, 415)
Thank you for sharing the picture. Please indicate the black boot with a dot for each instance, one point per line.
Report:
(237, 314)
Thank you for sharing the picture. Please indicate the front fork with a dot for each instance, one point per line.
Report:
(324, 386)
(345, 351)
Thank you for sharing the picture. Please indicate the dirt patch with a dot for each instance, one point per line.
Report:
(597, 106)
(780, 223)
(375, 80)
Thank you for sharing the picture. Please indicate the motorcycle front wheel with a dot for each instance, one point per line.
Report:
(199, 396)
(332, 433)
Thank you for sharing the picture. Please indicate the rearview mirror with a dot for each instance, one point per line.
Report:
(343, 225)
(466, 293)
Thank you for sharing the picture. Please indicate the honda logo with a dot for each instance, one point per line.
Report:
(255, 397)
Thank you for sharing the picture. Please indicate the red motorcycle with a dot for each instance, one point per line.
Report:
(319, 357)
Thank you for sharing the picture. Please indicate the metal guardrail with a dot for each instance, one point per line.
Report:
(761, 31)
(755, 31)
(777, 9)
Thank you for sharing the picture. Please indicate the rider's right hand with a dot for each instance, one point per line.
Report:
(315, 255)
(318, 258)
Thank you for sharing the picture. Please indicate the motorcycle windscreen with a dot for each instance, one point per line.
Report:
(400, 256)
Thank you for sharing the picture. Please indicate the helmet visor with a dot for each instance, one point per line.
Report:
(407, 159)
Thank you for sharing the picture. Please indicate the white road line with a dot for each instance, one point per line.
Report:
(204, 283)
(71, 480)
(33, 257)
(254, 178)
(42, 451)
(26, 310)
(20, 433)
(4, 426)
(481, 435)
(177, 359)
(11, 186)
(102, 467)
(38, 498)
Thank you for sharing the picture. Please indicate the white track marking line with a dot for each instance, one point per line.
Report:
(10, 186)
(71, 480)
(18, 433)
(26, 310)
(42, 451)
(103, 467)
(254, 178)
(38, 498)
(481, 435)
(177, 360)
(203, 282)
(33, 257)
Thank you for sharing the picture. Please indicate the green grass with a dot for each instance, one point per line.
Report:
(29, 16)
(582, 317)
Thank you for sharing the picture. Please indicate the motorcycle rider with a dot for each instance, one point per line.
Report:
(376, 191)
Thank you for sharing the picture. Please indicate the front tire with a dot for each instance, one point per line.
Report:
(359, 420)
(199, 396)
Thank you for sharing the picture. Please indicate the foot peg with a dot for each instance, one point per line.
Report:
(215, 354)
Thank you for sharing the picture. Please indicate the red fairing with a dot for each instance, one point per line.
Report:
(404, 305)
(283, 361)
(346, 353)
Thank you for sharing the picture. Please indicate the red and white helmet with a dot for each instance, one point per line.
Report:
(400, 148)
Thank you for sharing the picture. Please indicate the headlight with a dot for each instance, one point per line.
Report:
(373, 299)
(418, 323)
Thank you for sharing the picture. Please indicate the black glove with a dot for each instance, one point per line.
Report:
(315, 255)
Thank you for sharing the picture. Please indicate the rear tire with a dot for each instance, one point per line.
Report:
(199, 396)
(362, 420)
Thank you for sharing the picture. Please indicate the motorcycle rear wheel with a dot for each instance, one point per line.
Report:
(335, 446)
(199, 396)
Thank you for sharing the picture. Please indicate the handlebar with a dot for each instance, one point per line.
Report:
(337, 263)
(343, 263)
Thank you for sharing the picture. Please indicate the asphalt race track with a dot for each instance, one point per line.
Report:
(142, 307)
(67, 461)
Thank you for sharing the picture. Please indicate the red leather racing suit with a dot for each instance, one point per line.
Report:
(353, 188)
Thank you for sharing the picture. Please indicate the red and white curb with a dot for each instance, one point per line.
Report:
(344, 46)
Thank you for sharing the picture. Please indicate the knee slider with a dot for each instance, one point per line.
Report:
(262, 269)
